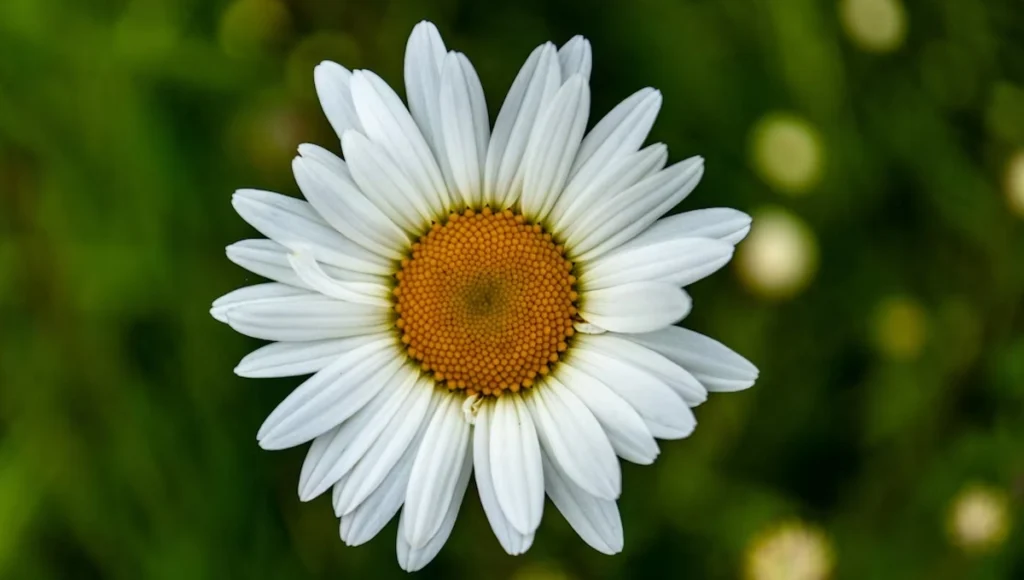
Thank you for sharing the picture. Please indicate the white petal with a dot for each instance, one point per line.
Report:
(266, 258)
(665, 413)
(270, 260)
(573, 438)
(617, 220)
(681, 381)
(626, 431)
(636, 307)
(255, 294)
(412, 559)
(289, 359)
(621, 132)
(719, 223)
(293, 223)
(330, 396)
(301, 316)
(389, 125)
(515, 464)
(350, 441)
(367, 520)
(385, 185)
(575, 58)
(337, 488)
(715, 365)
(595, 520)
(327, 184)
(511, 540)
(314, 276)
(332, 83)
(588, 328)
(403, 432)
(532, 89)
(678, 262)
(552, 147)
(598, 184)
(424, 55)
(465, 128)
(432, 486)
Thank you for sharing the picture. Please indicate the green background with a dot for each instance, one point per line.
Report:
(127, 446)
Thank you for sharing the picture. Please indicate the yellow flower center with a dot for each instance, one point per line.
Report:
(486, 302)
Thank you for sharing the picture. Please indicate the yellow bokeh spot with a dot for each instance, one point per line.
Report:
(787, 152)
(790, 550)
(545, 571)
(979, 518)
(1015, 183)
(874, 25)
(780, 256)
(900, 328)
(253, 27)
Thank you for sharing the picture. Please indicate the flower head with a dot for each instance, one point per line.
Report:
(474, 300)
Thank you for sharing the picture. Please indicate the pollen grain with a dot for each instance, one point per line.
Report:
(486, 302)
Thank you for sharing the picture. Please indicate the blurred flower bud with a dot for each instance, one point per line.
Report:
(254, 27)
(900, 328)
(789, 551)
(874, 25)
(979, 518)
(1015, 183)
(780, 256)
(787, 152)
(546, 571)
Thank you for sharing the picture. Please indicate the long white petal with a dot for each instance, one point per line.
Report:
(715, 365)
(270, 260)
(465, 128)
(327, 183)
(389, 125)
(596, 520)
(681, 381)
(617, 220)
(301, 317)
(665, 413)
(330, 396)
(552, 147)
(351, 440)
(424, 55)
(289, 359)
(412, 559)
(598, 184)
(515, 464)
(511, 540)
(433, 484)
(312, 274)
(573, 438)
(403, 432)
(367, 520)
(333, 87)
(718, 223)
(532, 89)
(636, 307)
(621, 132)
(678, 262)
(255, 294)
(379, 176)
(294, 224)
(575, 58)
(626, 431)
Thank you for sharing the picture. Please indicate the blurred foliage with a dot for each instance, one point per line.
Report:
(890, 382)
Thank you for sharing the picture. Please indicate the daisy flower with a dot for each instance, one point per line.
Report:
(474, 300)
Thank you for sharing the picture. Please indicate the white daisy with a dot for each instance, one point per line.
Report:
(467, 299)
